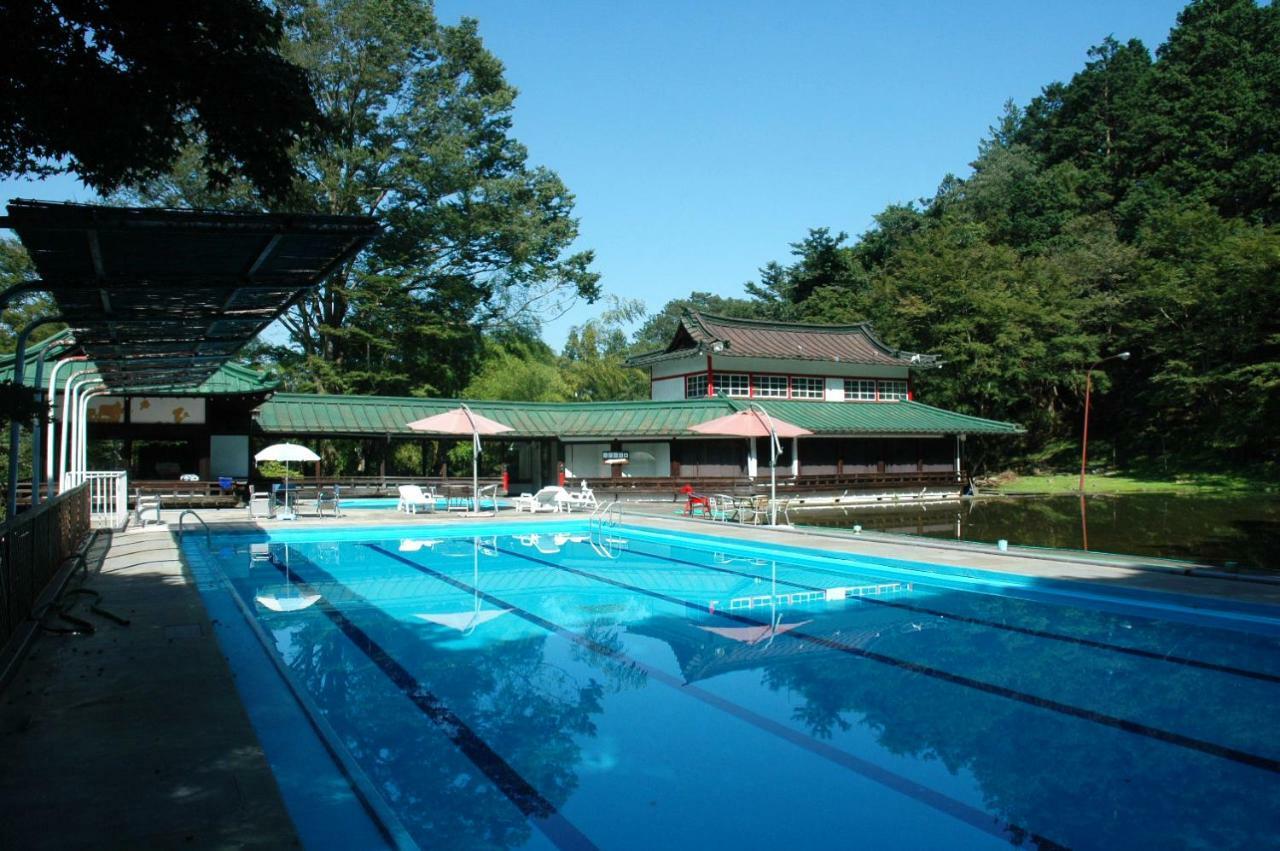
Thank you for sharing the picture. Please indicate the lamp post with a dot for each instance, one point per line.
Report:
(1088, 387)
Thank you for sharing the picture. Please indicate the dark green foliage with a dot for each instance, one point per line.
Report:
(113, 90)
(1135, 207)
(417, 132)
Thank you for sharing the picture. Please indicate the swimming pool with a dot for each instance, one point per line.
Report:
(501, 687)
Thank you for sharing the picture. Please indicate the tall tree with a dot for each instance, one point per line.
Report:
(1212, 116)
(418, 133)
(15, 268)
(112, 90)
(594, 359)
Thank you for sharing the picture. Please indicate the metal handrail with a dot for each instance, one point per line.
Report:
(208, 534)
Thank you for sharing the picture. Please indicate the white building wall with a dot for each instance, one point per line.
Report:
(648, 459)
(834, 390)
(583, 461)
(666, 389)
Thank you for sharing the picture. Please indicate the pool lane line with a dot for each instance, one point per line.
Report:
(538, 809)
(1053, 636)
(1100, 718)
(959, 810)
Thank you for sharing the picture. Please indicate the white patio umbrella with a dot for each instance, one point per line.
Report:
(284, 453)
(462, 421)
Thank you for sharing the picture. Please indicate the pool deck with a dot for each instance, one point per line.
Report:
(135, 736)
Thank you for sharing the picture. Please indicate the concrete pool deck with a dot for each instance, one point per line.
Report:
(135, 736)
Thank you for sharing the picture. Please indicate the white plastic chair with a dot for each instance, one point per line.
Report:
(413, 500)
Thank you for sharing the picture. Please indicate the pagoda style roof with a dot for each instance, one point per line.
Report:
(355, 416)
(703, 333)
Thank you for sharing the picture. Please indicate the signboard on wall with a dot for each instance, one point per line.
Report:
(106, 409)
(610, 456)
(170, 410)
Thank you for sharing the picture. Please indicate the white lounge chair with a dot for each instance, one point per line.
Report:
(551, 498)
(582, 499)
(413, 500)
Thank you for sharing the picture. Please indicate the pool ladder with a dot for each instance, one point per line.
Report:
(208, 535)
(605, 516)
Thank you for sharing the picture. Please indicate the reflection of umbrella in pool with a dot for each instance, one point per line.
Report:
(754, 634)
(466, 622)
(290, 600)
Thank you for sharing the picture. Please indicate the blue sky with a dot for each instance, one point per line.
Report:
(700, 138)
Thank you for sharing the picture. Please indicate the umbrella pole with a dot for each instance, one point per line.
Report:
(773, 489)
(475, 473)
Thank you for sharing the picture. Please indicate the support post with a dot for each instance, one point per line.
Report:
(37, 465)
(15, 425)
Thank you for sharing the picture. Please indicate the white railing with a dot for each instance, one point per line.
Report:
(108, 495)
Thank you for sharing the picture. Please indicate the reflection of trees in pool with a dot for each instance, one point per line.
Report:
(525, 709)
(1245, 530)
(1068, 779)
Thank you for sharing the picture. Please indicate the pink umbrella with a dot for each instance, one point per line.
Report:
(748, 423)
(462, 420)
(755, 422)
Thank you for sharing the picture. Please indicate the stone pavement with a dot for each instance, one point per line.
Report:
(134, 736)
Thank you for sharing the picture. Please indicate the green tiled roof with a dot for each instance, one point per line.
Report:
(230, 379)
(320, 415)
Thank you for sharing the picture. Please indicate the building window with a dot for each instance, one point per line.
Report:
(769, 386)
(893, 391)
(695, 386)
(807, 388)
(733, 383)
(859, 390)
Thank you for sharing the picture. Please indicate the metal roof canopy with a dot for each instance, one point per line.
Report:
(166, 297)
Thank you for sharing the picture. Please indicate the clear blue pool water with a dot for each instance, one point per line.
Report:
(504, 690)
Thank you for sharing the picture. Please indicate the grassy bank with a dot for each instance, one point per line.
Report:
(1204, 483)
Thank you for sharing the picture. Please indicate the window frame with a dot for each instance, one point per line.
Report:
(692, 380)
(861, 383)
(777, 382)
(896, 395)
(725, 383)
(812, 382)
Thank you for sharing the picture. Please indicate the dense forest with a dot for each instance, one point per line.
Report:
(1134, 207)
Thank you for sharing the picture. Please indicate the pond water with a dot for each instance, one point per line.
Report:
(1234, 532)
